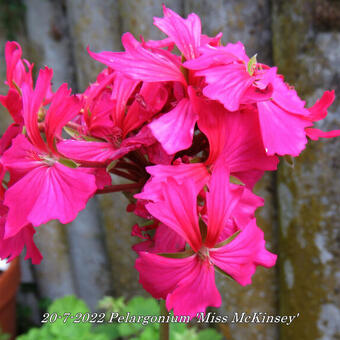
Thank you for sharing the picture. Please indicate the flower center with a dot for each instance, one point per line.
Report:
(203, 253)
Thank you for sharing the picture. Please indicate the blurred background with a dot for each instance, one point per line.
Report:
(92, 256)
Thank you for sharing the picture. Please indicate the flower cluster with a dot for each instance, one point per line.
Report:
(192, 131)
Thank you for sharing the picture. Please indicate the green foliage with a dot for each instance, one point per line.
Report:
(60, 330)
(4, 336)
(137, 331)
(138, 306)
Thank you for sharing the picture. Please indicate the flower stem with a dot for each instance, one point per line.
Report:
(164, 326)
(119, 187)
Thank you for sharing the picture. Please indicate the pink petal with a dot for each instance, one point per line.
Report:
(287, 98)
(245, 210)
(16, 71)
(121, 92)
(175, 129)
(196, 291)
(212, 121)
(160, 275)
(227, 84)
(221, 201)
(103, 178)
(91, 151)
(240, 257)
(282, 132)
(149, 101)
(185, 33)
(6, 140)
(249, 178)
(167, 241)
(63, 108)
(12, 247)
(21, 158)
(32, 101)
(233, 136)
(315, 134)
(243, 148)
(153, 189)
(319, 110)
(152, 66)
(178, 210)
(51, 192)
(157, 155)
(13, 103)
(213, 56)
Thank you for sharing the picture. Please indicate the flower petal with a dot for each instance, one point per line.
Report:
(160, 275)
(282, 133)
(177, 210)
(196, 291)
(152, 66)
(221, 201)
(240, 257)
(51, 192)
(186, 33)
(175, 129)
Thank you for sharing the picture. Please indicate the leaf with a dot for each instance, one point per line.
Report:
(208, 334)
(228, 240)
(68, 162)
(70, 329)
(251, 65)
(108, 329)
(138, 306)
(223, 273)
(235, 180)
(72, 132)
(112, 165)
(180, 255)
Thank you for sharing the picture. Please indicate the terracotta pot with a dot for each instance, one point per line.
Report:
(9, 283)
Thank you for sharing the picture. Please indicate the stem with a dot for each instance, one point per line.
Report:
(118, 187)
(164, 326)
(124, 174)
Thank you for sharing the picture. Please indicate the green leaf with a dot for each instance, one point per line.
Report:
(228, 240)
(112, 304)
(235, 180)
(69, 329)
(37, 334)
(68, 162)
(71, 132)
(251, 65)
(179, 255)
(108, 329)
(187, 334)
(149, 333)
(138, 306)
(223, 273)
(112, 165)
(76, 135)
(208, 334)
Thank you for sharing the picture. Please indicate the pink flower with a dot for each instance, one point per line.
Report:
(180, 278)
(48, 189)
(12, 247)
(111, 120)
(235, 81)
